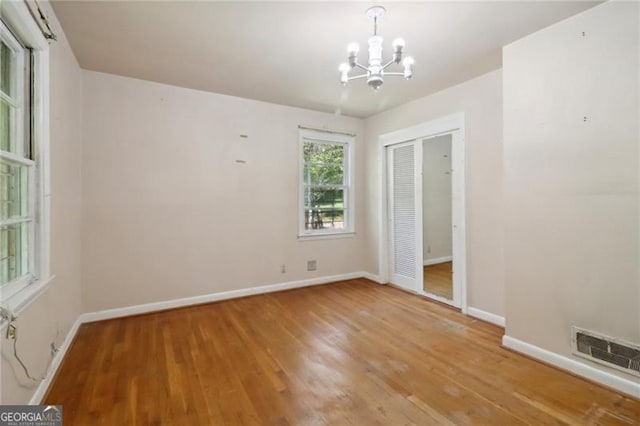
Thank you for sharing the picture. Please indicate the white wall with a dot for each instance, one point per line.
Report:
(436, 198)
(49, 318)
(169, 213)
(481, 100)
(571, 184)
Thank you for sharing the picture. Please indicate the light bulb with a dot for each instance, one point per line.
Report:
(344, 68)
(408, 67)
(398, 44)
(353, 48)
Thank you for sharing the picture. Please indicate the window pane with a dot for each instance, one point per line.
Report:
(7, 118)
(324, 197)
(6, 68)
(324, 219)
(323, 163)
(324, 208)
(14, 190)
(14, 251)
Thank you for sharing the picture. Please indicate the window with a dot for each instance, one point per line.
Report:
(326, 193)
(23, 157)
(16, 167)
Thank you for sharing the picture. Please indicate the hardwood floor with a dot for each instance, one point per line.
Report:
(438, 279)
(352, 352)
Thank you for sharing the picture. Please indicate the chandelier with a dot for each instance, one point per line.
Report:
(375, 70)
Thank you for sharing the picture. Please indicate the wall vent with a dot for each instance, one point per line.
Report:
(606, 350)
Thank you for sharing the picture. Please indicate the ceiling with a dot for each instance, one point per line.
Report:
(288, 52)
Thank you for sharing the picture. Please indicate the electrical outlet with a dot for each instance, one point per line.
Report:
(283, 269)
(54, 349)
(12, 332)
(311, 265)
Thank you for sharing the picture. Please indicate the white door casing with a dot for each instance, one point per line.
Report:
(413, 136)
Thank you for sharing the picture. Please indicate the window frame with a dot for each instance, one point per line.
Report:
(17, 154)
(333, 138)
(16, 16)
(17, 100)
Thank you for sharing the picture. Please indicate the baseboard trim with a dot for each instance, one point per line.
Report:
(213, 297)
(42, 388)
(594, 374)
(437, 260)
(486, 316)
(372, 277)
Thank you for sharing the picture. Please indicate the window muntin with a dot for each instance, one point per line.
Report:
(325, 184)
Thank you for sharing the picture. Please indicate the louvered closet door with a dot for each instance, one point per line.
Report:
(405, 223)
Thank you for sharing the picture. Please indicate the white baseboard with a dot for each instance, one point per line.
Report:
(372, 277)
(576, 367)
(37, 396)
(486, 316)
(213, 297)
(437, 260)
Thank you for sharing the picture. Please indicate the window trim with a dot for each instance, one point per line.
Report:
(330, 138)
(17, 99)
(17, 16)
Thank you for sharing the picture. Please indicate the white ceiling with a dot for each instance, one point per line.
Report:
(288, 52)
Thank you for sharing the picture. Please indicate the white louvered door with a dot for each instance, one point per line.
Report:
(405, 210)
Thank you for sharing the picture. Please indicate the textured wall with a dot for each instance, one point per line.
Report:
(481, 101)
(571, 179)
(50, 316)
(169, 213)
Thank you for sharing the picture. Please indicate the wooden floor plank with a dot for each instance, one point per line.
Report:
(351, 352)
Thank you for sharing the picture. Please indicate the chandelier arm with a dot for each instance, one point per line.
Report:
(388, 64)
(358, 76)
(362, 67)
(394, 73)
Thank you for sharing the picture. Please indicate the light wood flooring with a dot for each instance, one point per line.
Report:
(352, 352)
(438, 279)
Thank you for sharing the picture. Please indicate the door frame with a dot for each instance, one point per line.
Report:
(453, 124)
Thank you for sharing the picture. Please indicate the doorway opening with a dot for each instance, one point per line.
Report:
(423, 249)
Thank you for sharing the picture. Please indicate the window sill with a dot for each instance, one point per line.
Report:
(25, 297)
(327, 236)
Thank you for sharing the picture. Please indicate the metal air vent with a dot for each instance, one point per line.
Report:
(606, 350)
